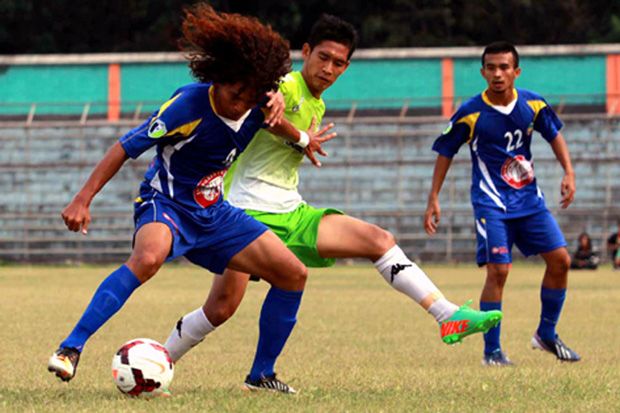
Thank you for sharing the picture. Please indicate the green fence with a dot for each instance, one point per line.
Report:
(370, 83)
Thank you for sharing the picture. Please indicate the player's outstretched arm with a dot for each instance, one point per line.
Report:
(275, 108)
(567, 187)
(433, 211)
(77, 215)
(311, 140)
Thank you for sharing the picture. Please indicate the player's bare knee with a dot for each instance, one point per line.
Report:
(561, 264)
(380, 239)
(385, 239)
(220, 313)
(301, 273)
(497, 277)
(145, 265)
(298, 275)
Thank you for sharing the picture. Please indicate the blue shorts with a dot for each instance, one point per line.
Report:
(533, 234)
(208, 238)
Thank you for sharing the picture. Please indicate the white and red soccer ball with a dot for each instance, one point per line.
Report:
(142, 367)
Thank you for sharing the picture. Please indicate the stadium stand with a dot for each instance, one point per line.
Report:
(379, 167)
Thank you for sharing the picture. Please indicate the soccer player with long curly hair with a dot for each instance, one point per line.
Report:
(180, 211)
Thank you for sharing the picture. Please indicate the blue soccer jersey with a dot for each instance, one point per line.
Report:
(195, 146)
(503, 180)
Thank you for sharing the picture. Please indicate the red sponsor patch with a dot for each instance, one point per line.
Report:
(518, 172)
(499, 250)
(209, 189)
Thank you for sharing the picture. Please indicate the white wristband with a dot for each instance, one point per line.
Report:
(304, 139)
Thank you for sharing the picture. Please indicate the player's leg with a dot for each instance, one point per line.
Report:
(342, 236)
(491, 300)
(540, 234)
(553, 291)
(224, 298)
(152, 245)
(272, 261)
(552, 297)
(494, 245)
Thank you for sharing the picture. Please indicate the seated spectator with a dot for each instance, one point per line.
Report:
(584, 258)
(613, 242)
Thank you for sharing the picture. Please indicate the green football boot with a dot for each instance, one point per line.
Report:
(466, 321)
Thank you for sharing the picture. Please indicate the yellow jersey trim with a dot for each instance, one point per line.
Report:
(212, 101)
(185, 130)
(537, 106)
(470, 120)
(167, 104)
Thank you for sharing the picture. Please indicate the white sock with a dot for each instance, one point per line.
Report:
(190, 330)
(405, 276)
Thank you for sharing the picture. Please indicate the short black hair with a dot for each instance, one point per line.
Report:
(333, 28)
(501, 47)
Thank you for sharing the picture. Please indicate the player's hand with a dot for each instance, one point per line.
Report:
(77, 216)
(432, 216)
(317, 138)
(275, 108)
(567, 190)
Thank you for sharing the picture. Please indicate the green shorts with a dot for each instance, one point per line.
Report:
(298, 230)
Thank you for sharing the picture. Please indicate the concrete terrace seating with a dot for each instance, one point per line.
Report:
(377, 169)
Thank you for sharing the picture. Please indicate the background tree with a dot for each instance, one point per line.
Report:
(64, 26)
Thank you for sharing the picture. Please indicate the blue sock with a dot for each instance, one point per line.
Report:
(491, 337)
(552, 302)
(108, 299)
(277, 319)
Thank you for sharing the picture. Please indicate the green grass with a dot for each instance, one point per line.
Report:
(358, 345)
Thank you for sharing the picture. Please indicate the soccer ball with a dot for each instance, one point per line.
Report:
(142, 367)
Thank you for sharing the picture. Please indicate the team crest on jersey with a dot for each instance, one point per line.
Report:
(209, 189)
(157, 129)
(518, 172)
(296, 108)
(530, 129)
(448, 129)
(230, 158)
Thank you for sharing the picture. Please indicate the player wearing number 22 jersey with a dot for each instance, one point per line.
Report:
(503, 180)
(509, 207)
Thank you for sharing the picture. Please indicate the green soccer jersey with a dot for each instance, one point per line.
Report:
(265, 176)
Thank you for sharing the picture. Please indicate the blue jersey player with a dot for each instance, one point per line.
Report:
(198, 133)
(509, 207)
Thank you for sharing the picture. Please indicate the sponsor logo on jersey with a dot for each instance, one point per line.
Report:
(209, 189)
(499, 250)
(517, 172)
(157, 129)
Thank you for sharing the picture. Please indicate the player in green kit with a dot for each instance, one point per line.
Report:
(264, 182)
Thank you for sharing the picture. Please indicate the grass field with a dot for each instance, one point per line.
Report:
(358, 346)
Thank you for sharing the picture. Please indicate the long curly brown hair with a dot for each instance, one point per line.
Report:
(230, 48)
